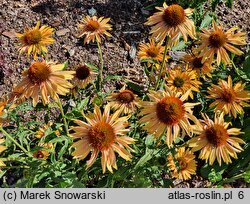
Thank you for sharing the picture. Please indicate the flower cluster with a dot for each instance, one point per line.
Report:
(110, 124)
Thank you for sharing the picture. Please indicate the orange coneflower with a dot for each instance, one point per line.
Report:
(195, 63)
(44, 153)
(34, 40)
(229, 98)
(214, 140)
(151, 50)
(103, 133)
(83, 76)
(171, 21)
(94, 29)
(41, 132)
(217, 42)
(186, 164)
(45, 78)
(167, 113)
(182, 81)
(125, 101)
(2, 107)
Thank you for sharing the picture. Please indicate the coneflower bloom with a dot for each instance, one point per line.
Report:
(167, 113)
(195, 63)
(182, 81)
(214, 140)
(103, 133)
(34, 40)
(44, 153)
(228, 98)
(218, 42)
(83, 76)
(46, 79)
(41, 132)
(182, 164)
(2, 107)
(151, 50)
(94, 29)
(125, 101)
(171, 21)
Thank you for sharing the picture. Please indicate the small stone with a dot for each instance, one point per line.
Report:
(10, 34)
(92, 11)
(71, 52)
(62, 32)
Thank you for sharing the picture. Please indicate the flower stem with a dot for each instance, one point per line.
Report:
(13, 140)
(162, 65)
(100, 76)
(63, 116)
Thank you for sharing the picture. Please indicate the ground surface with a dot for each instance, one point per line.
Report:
(127, 18)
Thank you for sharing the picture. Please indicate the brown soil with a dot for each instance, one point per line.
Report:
(127, 18)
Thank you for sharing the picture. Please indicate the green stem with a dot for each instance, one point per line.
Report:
(13, 140)
(63, 116)
(232, 179)
(13, 159)
(100, 77)
(15, 167)
(162, 65)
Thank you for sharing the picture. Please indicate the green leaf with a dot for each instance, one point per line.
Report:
(214, 176)
(113, 77)
(246, 64)
(65, 64)
(207, 169)
(82, 104)
(246, 176)
(145, 158)
(229, 3)
(214, 4)
(93, 67)
(136, 87)
(206, 21)
(181, 45)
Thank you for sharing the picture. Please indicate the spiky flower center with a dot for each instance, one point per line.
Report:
(174, 15)
(101, 136)
(228, 95)
(217, 39)
(216, 135)
(82, 72)
(39, 72)
(178, 82)
(170, 110)
(39, 154)
(126, 96)
(182, 163)
(197, 62)
(32, 37)
(153, 52)
(92, 26)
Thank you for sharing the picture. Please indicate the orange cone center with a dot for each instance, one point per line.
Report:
(82, 72)
(33, 37)
(126, 96)
(174, 15)
(92, 26)
(101, 136)
(216, 135)
(170, 110)
(39, 72)
(217, 39)
(178, 82)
